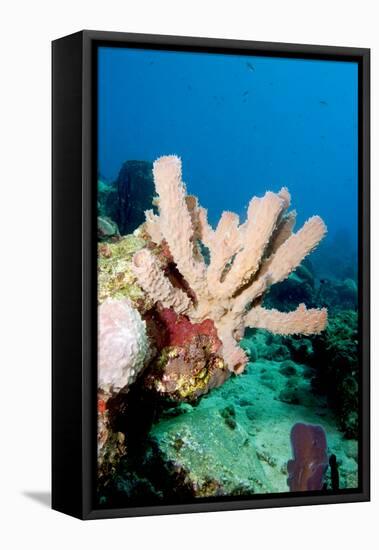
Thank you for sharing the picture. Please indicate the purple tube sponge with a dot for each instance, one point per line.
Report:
(310, 460)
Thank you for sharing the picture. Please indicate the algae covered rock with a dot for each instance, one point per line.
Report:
(209, 454)
(189, 363)
(288, 368)
(106, 229)
(336, 365)
(261, 344)
(338, 295)
(184, 373)
(115, 277)
(125, 200)
(107, 199)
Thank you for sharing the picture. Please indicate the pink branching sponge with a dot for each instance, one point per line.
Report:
(245, 260)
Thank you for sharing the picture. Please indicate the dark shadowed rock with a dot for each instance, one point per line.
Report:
(337, 370)
(135, 192)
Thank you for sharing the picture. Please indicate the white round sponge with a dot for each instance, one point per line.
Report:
(122, 344)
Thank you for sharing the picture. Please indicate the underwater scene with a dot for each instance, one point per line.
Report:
(228, 323)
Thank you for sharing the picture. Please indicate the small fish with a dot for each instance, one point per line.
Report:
(250, 66)
(323, 102)
(245, 93)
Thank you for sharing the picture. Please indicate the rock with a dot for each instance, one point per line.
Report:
(337, 295)
(261, 344)
(110, 444)
(135, 192)
(198, 450)
(289, 395)
(301, 349)
(335, 361)
(305, 272)
(184, 373)
(229, 415)
(251, 413)
(287, 295)
(189, 363)
(106, 229)
(115, 277)
(107, 199)
(268, 379)
(288, 368)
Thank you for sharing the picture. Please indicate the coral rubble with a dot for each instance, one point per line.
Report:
(245, 260)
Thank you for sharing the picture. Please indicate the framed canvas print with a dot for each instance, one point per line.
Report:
(210, 274)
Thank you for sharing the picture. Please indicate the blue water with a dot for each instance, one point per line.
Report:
(242, 125)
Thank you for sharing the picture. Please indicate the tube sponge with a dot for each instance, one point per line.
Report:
(245, 260)
(310, 459)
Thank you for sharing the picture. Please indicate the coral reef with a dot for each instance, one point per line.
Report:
(337, 295)
(191, 445)
(182, 306)
(245, 260)
(310, 460)
(335, 360)
(331, 361)
(247, 410)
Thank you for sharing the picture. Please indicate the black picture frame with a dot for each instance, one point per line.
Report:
(74, 320)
